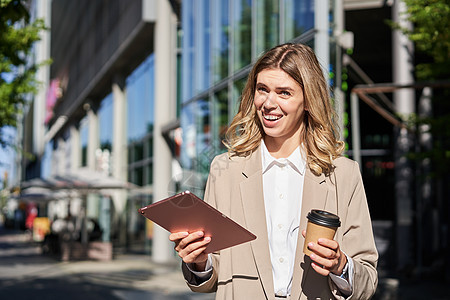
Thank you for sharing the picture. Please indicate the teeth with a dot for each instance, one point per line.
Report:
(271, 117)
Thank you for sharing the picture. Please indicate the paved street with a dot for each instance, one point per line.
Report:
(26, 274)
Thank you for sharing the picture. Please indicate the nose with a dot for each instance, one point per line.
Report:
(270, 101)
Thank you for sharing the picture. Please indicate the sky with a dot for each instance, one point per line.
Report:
(7, 156)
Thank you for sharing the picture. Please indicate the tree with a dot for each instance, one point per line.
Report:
(430, 21)
(17, 72)
(431, 36)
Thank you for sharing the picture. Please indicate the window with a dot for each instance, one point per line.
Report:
(220, 119)
(140, 117)
(220, 39)
(298, 16)
(267, 25)
(242, 29)
(105, 116)
(84, 140)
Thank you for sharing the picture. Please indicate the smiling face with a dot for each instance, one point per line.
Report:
(279, 104)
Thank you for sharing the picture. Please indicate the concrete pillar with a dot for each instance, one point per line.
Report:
(404, 102)
(356, 135)
(164, 109)
(119, 146)
(424, 185)
(119, 153)
(75, 145)
(322, 39)
(42, 52)
(59, 157)
(339, 94)
(93, 137)
(104, 218)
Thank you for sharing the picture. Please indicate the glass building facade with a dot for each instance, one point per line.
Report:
(220, 41)
(140, 116)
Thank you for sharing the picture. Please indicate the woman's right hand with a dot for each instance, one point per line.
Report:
(190, 248)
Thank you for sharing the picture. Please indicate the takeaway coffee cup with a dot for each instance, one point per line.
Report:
(321, 224)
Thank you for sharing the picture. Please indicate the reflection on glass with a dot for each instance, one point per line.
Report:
(188, 153)
(238, 87)
(84, 140)
(137, 176)
(47, 160)
(105, 117)
(220, 119)
(138, 152)
(179, 68)
(220, 39)
(204, 149)
(299, 17)
(242, 29)
(267, 25)
(148, 174)
(140, 118)
(188, 49)
(202, 45)
(140, 99)
(149, 147)
(202, 124)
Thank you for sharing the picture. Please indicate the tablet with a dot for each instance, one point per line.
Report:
(186, 212)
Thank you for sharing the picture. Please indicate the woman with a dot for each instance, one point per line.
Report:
(283, 160)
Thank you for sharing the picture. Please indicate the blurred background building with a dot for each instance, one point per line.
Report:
(142, 91)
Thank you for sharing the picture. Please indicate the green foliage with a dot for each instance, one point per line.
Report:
(431, 35)
(17, 74)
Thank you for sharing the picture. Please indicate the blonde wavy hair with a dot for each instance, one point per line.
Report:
(320, 135)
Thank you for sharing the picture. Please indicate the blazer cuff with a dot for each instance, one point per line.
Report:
(203, 275)
(344, 282)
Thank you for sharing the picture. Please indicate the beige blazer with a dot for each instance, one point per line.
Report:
(245, 272)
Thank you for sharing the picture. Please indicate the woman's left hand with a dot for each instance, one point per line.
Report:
(327, 256)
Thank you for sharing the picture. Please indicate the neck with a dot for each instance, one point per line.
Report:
(283, 146)
(280, 148)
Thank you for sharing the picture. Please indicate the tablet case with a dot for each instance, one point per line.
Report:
(186, 212)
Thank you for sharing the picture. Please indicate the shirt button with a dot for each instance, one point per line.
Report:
(281, 260)
(280, 226)
(281, 196)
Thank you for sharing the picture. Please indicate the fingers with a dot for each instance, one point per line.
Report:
(320, 270)
(331, 244)
(194, 252)
(196, 256)
(188, 240)
(190, 247)
(326, 257)
(177, 236)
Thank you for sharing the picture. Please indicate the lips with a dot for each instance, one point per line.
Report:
(271, 117)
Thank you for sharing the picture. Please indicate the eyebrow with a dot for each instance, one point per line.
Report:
(259, 84)
(284, 88)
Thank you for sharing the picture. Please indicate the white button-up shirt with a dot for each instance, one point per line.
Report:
(283, 188)
(283, 194)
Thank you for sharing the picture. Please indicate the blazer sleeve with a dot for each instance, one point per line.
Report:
(210, 285)
(357, 238)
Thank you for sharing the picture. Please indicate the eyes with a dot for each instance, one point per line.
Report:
(282, 92)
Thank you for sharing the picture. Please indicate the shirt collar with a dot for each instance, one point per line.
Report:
(295, 160)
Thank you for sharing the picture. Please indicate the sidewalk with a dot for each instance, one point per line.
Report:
(26, 274)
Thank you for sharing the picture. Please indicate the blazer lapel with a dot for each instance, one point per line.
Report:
(252, 197)
(315, 193)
